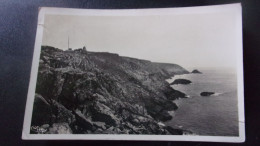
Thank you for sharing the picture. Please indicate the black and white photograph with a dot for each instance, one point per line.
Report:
(171, 74)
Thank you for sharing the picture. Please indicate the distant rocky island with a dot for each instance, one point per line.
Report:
(195, 71)
(82, 92)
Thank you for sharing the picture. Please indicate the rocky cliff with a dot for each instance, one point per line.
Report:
(90, 92)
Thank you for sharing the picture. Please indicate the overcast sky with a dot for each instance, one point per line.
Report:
(190, 40)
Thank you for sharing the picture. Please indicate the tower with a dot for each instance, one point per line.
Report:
(69, 43)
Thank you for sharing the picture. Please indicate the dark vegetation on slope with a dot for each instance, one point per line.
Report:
(89, 92)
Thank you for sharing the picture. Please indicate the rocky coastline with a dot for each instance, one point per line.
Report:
(80, 92)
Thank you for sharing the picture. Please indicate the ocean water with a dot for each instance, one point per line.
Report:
(216, 115)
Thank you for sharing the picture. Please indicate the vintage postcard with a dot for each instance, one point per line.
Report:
(168, 74)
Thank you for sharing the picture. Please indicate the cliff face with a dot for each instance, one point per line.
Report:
(93, 92)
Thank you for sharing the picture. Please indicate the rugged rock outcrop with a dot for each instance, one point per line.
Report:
(181, 81)
(60, 128)
(103, 93)
(195, 71)
(206, 93)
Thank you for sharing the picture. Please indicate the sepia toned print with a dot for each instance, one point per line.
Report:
(164, 74)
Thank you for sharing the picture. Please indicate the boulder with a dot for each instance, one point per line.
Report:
(100, 125)
(102, 113)
(174, 131)
(83, 122)
(60, 128)
(45, 126)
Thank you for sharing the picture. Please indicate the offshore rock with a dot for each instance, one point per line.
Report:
(206, 93)
(195, 71)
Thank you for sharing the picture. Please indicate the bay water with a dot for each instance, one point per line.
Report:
(216, 115)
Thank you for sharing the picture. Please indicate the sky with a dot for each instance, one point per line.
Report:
(190, 40)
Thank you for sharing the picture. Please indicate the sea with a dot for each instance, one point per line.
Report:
(216, 115)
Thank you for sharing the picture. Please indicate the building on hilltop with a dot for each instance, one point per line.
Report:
(84, 50)
(81, 50)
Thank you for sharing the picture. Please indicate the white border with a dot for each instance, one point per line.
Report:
(134, 12)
